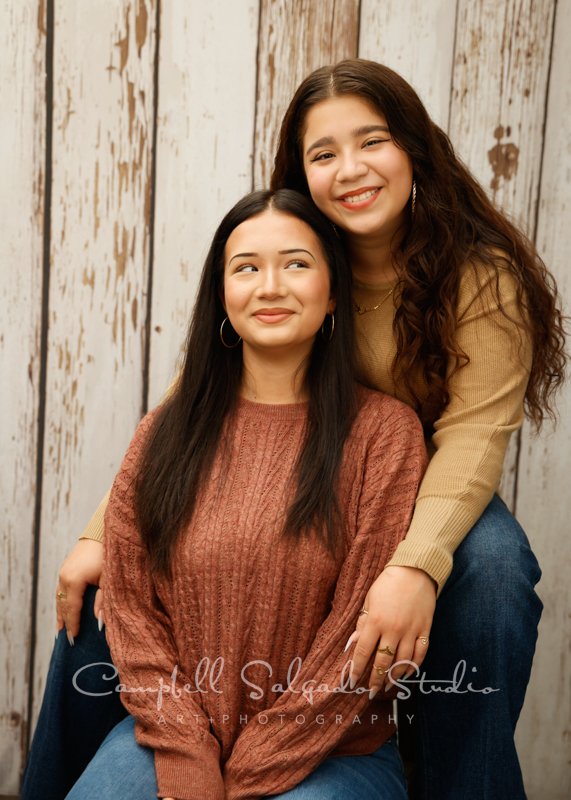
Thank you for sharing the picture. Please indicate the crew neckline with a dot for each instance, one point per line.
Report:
(282, 411)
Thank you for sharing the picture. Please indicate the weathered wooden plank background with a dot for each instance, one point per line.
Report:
(152, 120)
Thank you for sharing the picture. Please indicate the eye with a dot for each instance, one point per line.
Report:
(246, 268)
(322, 157)
(371, 142)
(297, 264)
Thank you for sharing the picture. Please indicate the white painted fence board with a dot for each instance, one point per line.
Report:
(207, 79)
(295, 38)
(501, 67)
(102, 135)
(544, 495)
(416, 39)
(22, 158)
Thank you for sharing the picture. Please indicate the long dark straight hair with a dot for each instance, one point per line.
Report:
(187, 428)
(455, 225)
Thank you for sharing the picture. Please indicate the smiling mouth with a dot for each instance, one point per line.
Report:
(273, 315)
(359, 197)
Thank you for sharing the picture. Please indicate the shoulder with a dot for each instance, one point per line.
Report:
(484, 284)
(380, 416)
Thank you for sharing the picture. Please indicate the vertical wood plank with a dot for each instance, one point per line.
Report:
(501, 67)
(102, 133)
(296, 37)
(22, 153)
(207, 79)
(543, 501)
(416, 39)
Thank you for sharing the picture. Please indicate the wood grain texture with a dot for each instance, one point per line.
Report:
(22, 154)
(501, 67)
(207, 80)
(416, 39)
(296, 37)
(102, 135)
(543, 497)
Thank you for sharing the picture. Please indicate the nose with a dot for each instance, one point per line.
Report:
(271, 284)
(350, 166)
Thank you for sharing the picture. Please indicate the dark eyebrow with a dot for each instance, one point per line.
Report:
(281, 252)
(242, 255)
(296, 250)
(364, 129)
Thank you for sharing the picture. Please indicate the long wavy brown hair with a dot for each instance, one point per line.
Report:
(455, 224)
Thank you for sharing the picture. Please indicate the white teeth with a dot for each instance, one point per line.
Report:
(358, 198)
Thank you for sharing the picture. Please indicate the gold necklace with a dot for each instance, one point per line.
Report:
(365, 310)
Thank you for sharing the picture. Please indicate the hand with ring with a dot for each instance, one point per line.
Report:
(395, 626)
(82, 566)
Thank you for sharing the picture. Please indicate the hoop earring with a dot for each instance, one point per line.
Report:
(328, 338)
(229, 346)
(413, 199)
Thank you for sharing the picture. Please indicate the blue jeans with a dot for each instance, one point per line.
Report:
(122, 768)
(487, 615)
(72, 725)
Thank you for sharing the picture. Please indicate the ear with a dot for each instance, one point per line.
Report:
(221, 296)
(332, 305)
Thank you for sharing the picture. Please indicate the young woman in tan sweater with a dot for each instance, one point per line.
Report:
(456, 315)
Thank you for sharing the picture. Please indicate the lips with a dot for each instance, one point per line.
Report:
(359, 198)
(273, 315)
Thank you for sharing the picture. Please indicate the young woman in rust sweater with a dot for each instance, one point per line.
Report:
(252, 512)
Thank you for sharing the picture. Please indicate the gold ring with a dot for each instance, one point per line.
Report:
(423, 640)
(61, 595)
(386, 650)
(363, 611)
(380, 671)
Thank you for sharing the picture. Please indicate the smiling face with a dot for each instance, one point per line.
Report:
(276, 283)
(357, 175)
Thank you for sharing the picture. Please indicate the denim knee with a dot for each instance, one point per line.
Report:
(495, 565)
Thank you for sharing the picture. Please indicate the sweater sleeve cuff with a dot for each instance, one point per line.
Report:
(190, 777)
(432, 559)
(95, 526)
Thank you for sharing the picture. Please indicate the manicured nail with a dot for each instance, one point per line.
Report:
(373, 692)
(388, 687)
(100, 620)
(70, 639)
(354, 636)
(352, 681)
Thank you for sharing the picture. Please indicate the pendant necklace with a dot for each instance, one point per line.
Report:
(366, 309)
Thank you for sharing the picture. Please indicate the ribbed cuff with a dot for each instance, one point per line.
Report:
(196, 777)
(95, 526)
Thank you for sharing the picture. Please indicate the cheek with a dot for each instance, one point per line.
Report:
(319, 294)
(318, 183)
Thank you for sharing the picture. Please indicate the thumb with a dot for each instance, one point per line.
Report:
(98, 608)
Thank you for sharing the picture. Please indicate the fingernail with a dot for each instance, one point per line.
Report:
(373, 692)
(352, 681)
(100, 620)
(70, 639)
(388, 687)
(350, 641)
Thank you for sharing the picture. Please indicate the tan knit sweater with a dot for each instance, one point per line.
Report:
(472, 435)
(245, 606)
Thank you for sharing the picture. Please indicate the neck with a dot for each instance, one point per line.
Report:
(372, 257)
(274, 377)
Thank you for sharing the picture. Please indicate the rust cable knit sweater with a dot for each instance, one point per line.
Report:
(242, 593)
